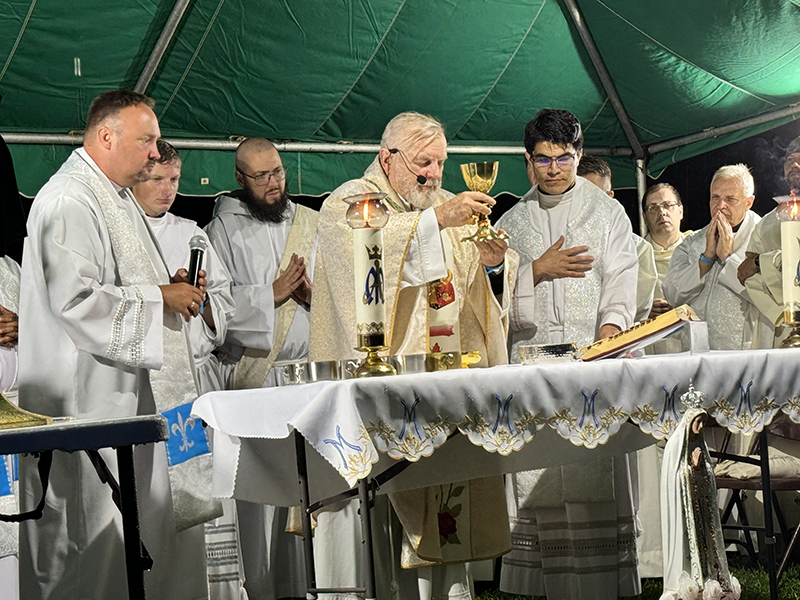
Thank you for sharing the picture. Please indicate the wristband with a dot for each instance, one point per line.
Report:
(495, 270)
(708, 261)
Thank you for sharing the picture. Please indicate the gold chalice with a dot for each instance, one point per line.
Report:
(480, 177)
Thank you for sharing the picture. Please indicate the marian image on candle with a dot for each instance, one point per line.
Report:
(367, 215)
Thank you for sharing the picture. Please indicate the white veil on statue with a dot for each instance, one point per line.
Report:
(695, 565)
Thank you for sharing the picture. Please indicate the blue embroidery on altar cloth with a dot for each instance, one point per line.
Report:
(503, 416)
(669, 405)
(588, 409)
(410, 418)
(744, 399)
(339, 444)
(187, 436)
(7, 479)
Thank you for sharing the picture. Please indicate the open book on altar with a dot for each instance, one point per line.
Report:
(641, 335)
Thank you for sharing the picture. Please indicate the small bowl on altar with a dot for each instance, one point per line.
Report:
(297, 373)
(536, 354)
(324, 370)
(290, 373)
(407, 363)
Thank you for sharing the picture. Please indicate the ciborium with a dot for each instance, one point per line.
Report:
(480, 177)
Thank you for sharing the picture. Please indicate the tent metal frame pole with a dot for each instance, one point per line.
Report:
(59, 139)
(641, 188)
(605, 79)
(711, 132)
(164, 39)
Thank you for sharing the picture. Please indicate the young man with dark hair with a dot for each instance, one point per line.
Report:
(576, 283)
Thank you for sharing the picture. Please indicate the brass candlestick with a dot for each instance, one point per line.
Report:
(373, 365)
(791, 315)
(480, 177)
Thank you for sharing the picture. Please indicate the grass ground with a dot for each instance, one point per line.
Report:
(755, 586)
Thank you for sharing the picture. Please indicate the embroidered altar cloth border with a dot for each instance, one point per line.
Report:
(504, 410)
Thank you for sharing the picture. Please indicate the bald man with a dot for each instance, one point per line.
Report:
(267, 243)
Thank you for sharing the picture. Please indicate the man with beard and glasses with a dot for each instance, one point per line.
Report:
(441, 293)
(761, 271)
(102, 336)
(267, 243)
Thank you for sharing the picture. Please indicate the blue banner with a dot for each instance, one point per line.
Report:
(187, 436)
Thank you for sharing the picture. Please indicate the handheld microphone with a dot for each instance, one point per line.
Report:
(197, 246)
(421, 179)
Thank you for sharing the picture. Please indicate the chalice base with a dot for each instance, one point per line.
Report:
(485, 233)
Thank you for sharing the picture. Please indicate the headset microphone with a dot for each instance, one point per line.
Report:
(421, 179)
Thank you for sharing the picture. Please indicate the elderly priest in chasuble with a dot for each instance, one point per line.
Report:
(427, 268)
(572, 526)
(98, 308)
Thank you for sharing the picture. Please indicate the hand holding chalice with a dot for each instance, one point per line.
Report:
(480, 177)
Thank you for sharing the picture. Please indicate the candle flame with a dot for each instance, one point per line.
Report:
(365, 213)
(795, 208)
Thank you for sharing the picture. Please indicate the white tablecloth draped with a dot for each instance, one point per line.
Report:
(512, 418)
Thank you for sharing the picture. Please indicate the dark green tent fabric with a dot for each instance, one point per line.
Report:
(333, 70)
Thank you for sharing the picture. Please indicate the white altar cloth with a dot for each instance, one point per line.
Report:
(512, 418)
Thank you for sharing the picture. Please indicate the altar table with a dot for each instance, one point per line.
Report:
(510, 418)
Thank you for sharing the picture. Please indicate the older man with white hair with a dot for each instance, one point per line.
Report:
(435, 282)
(703, 270)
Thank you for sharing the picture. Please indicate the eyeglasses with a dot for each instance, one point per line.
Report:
(657, 208)
(543, 162)
(263, 178)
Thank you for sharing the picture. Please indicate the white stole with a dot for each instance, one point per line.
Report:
(174, 385)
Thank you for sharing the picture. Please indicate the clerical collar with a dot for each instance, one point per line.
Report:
(551, 200)
(735, 229)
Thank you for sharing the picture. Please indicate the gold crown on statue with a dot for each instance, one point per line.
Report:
(374, 253)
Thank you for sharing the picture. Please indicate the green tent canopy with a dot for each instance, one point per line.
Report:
(659, 81)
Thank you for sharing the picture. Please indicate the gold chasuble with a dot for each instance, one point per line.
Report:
(482, 323)
(458, 306)
(252, 369)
